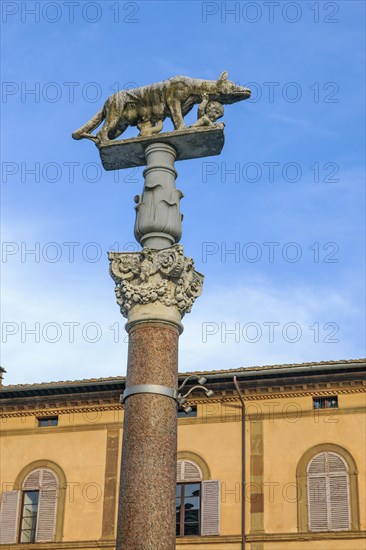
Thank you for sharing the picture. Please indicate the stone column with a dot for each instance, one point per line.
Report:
(154, 289)
(148, 472)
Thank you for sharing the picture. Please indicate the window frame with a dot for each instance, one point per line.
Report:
(302, 492)
(41, 419)
(325, 399)
(21, 517)
(329, 503)
(209, 515)
(61, 497)
(182, 521)
(192, 414)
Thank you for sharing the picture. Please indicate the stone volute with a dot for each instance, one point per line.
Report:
(154, 284)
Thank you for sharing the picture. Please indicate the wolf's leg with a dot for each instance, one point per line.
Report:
(175, 108)
(110, 124)
(102, 135)
(89, 136)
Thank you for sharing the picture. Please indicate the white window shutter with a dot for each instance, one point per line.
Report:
(46, 521)
(9, 513)
(328, 493)
(335, 463)
(317, 465)
(191, 472)
(179, 471)
(317, 503)
(210, 508)
(32, 481)
(339, 503)
(188, 471)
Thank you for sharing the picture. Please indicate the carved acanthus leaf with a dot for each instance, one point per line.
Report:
(151, 275)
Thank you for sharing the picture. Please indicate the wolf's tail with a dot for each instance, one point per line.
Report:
(90, 125)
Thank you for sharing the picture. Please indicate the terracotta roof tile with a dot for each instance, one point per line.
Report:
(284, 366)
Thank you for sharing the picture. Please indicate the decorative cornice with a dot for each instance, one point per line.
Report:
(315, 391)
(152, 276)
(278, 395)
(223, 417)
(50, 408)
(52, 411)
(227, 372)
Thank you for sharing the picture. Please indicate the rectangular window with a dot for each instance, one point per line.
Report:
(47, 421)
(188, 504)
(325, 402)
(182, 414)
(29, 516)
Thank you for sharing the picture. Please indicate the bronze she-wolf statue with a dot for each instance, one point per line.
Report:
(147, 107)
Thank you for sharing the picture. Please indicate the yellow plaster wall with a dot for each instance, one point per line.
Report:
(65, 420)
(219, 445)
(81, 456)
(287, 438)
(290, 428)
(86, 465)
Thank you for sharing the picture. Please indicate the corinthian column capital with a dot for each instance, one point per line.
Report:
(155, 284)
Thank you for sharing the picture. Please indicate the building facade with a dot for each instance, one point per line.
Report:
(279, 465)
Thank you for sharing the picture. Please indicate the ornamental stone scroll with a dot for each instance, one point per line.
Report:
(163, 279)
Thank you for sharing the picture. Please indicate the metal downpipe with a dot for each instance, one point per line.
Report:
(242, 462)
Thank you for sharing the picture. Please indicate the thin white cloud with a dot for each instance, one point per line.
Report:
(254, 324)
(220, 333)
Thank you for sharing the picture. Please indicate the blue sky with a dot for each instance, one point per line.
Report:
(286, 196)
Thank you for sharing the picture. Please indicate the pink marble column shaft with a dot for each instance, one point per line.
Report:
(146, 515)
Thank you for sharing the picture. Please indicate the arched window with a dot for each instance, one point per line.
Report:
(327, 490)
(197, 501)
(38, 510)
(29, 515)
(328, 493)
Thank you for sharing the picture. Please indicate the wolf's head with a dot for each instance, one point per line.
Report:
(229, 92)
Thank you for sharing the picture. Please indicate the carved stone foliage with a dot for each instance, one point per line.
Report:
(158, 218)
(149, 276)
(158, 211)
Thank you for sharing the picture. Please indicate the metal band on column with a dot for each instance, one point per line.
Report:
(149, 388)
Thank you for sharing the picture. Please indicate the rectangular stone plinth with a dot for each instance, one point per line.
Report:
(189, 143)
